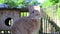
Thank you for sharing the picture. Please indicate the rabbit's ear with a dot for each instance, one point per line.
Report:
(36, 8)
(32, 8)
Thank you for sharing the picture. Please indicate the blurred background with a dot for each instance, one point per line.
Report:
(42, 3)
(50, 23)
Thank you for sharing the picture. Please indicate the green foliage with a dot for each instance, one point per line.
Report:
(58, 13)
(54, 1)
(11, 3)
(2, 1)
(20, 3)
(48, 3)
(14, 3)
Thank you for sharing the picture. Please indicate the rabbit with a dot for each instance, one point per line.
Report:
(30, 24)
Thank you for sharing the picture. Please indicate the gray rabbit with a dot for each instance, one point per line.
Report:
(30, 24)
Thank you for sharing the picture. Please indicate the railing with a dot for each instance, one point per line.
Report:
(49, 26)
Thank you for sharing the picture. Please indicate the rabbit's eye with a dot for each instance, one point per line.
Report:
(33, 12)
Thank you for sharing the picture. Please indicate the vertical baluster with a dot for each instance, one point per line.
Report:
(46, 25)
(41, 27)
(54, 29)
(43, 24)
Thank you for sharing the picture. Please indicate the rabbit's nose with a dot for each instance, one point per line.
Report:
(36, 14)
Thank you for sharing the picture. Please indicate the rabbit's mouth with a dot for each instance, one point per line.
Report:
(36, 17)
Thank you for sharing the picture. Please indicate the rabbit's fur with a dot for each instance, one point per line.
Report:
(28, 25)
